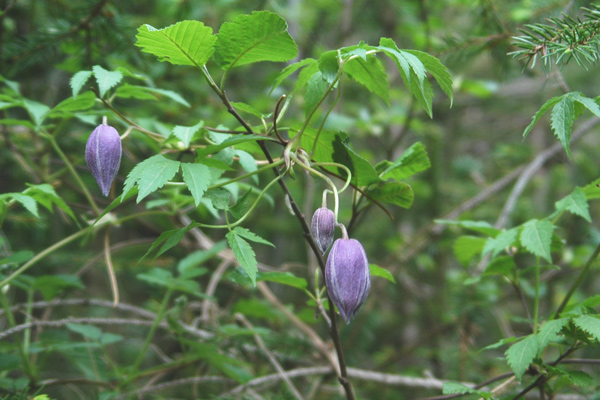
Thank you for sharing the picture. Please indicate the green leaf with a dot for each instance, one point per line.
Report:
(244, 254)
(538, 115)
(176, 97)
(536, 237)
(376, 270)
(501, 242)
(261, 36)
(504, 266)
(284, 278)
(150, 175)
(106, 79)
(231, 141)
(521, 354)
(88, 331)
(413, 160)
(589, 324)
(370, 74)
(247, 234)
(329, 66)
(78, 80)
(549, 331)
(437, 70)
(456, 388)
(184, 43)
(71, 104)
(157, 276)
(398, 193)
(168, 239)
(248, 109)
(562, 117)
(315, 89)
(477, 226)
(186, 133)
(467, 247)
(290, 69)
(46, 195)
(197, 177)
(198, 257)
(26, 201)
(37, 111)
(17, 258)
(52, 285)
(576, 203)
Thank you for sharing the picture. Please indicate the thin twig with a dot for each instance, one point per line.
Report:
(270, 356)
(111, 270)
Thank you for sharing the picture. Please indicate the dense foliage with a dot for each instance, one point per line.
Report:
(455, 141)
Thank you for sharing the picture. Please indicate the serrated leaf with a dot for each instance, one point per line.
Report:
(589, 324)
(46, 195)
(37, 111)
(504, 266)
(150, 175)
(176, 97)
(186, 133)
(184, 43)
(88, 331)
(78, 80)
(315, 89)
(260, 36)
(197, 177)
(540, 113)
(500, 242)
(376, 270)
(398, 193)
(83, 102)
(290, 69)
(106, 79)
(168, 240)
(413, 160)
(576, 203)
(562, 117)
(456, 388)
(244, 254)
(549, 331)
(284, 278)
(437, 70)
(521, 354)
(247, 234)
(370, 74)
(248, 109)
(467, 247)
(477, 226)
(328, 65)
(26, 201)
(536, 237)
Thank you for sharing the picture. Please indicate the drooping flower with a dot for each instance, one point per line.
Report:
(103, 155)
(347, 276)
(323, 228)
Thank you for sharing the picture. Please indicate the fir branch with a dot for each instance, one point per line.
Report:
(561, 40)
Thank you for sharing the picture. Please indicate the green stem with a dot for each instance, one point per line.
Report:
(575, 285)
(337, 97)
(68, 240)
(74, 173)
(157, 321)
(249, 174)
(326, 179)
(27, 367)
(536, 305)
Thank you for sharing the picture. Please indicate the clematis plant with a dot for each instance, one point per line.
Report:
(103, 155)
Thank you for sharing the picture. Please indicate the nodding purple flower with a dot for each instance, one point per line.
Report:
(103, 155)
(323, 228)
(347, 277)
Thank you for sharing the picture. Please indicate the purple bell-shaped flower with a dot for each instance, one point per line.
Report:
(347, 276)
(103, 155)
(323, 228)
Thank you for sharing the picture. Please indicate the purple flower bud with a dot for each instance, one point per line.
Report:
(103, 155)
(347, 276)
(323, 228)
